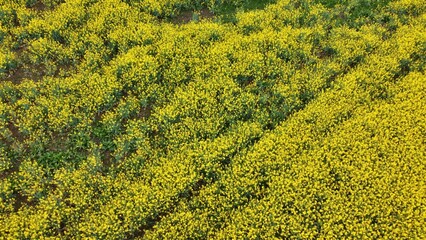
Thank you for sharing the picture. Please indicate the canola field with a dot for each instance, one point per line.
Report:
(212, 119)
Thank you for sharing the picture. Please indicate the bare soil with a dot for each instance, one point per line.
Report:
(186, 16)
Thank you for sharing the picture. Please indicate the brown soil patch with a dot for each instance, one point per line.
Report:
(57, 141)
(187, 16)
(39, 6)
(17, 75)
(15, 132)
(17, 137)
(34, 72)
(145, 112)
(21, 200)
(206, 14)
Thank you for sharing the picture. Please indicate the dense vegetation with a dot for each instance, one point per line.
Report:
(278, 119)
